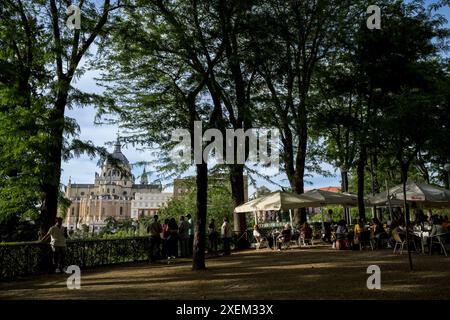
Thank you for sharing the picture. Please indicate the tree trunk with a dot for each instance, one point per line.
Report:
(50, 187)
(344, 181)
(237, 192)
(198, 260)
(298, 181)
(344, 188)
(404, 172)
(360, 173)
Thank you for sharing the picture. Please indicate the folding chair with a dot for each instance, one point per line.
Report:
(364, 238)
(401, 243)
(263, 243)
(306, 241)
(285, 241)
(439, 240)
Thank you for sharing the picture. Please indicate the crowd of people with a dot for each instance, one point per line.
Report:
(171, 239)
(276, 239)
(374, 232)
(168, 240)
(379, 234)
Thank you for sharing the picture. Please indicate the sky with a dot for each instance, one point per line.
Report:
(82, 169)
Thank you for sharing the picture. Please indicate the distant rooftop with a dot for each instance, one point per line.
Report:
(331, 189)
(81, 185)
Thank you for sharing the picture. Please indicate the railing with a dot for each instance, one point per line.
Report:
(29, 258)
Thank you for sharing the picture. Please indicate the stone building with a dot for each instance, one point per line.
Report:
(148, 204)
(110, 195)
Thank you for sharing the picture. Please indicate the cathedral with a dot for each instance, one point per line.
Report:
(113, 194)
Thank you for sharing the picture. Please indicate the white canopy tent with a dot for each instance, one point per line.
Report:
(278, 200)
(323, 198)
(286, 201)
(423, 194)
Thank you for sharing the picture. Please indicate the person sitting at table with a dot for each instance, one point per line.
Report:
(359, 228)
(401, 230)
(341, 231)
(341, 235)
(377, 231)
(285, 236)
(436, 231)
(306, 232)
(420, 218)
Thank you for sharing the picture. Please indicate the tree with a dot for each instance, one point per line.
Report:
(408, 97)
(162, 86)
(220, 201)
(295, 37)
(48, 57)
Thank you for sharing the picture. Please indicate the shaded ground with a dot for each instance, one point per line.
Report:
(297, 273)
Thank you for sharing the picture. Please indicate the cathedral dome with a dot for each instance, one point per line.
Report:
(118, 155)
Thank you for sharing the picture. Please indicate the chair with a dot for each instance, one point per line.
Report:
(439, 240)
(400, 242)
(306, 238)
(364, 238)
(262, 243)
(285, 241)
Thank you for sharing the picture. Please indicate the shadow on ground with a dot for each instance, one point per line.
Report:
(298, 273)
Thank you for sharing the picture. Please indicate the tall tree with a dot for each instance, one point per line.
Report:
(47, 46)
(160, 79)
(294, 38)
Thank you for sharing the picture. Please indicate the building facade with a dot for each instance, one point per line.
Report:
(110, 195)
(148, 204)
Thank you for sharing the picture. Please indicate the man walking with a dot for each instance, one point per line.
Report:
(155, 230)
(58, 243)
(191, 234)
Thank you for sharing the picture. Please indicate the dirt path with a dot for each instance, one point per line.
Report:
(298, 273)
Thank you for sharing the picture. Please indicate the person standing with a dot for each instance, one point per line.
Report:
(212, 237)
(164, 234)
(327, 226)
(226, 236)
(183, 231)
(191, 234)
(58, 243)
(172, 240)
(155, 230)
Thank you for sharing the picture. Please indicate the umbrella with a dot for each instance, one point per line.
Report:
(425, 194)
(323, 198)
(278, 200)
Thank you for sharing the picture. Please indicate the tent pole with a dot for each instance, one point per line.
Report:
(388, 200)
(290, 218)
(321, 213)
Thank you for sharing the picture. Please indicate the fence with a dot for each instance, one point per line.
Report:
(29, 258)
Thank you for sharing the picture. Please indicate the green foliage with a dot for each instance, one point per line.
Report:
(39, 58)
(220, 203)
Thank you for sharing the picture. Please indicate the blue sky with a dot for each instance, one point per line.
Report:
(82, 169)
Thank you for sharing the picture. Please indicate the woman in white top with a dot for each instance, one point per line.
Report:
(257, 235)
(226, 236)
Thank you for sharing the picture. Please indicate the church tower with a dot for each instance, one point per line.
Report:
(144, 178)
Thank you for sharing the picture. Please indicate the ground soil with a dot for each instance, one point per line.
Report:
(297, 273)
